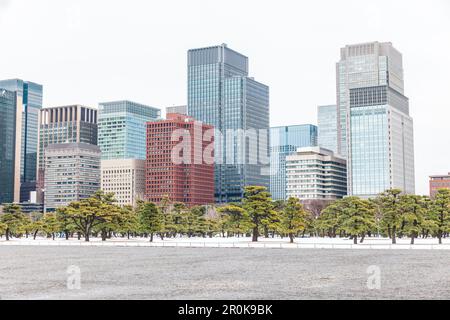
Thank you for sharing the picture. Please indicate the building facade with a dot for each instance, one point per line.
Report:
(177, 109)
(10, 142)
(64, 124)
(327, 127)
(180, 161)
(29, 97)
(125, 178)
(221, 94)
(375, 131)
(72, 173)
(284, 141)
(316, 174)
(122, 129)
(439, 182)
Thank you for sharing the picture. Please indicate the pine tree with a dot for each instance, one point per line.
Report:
(258, 204)
(390, 205)
(150, 219)
(414, 215)
(50, 224)
(357, 217)
(440, 212)
(292, 218)
(235, 219)
(12, 219)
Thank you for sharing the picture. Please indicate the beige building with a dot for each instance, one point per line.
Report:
(125, 178)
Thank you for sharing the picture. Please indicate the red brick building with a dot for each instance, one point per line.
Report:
(175, 165)
(439, 182)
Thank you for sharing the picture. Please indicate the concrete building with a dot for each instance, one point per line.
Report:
(316, 174)
(122, 129)
(180, 162)
(64, 124)
(28, 102)
(439, 182)
(72, 173)
(221, 94)
(284, 141)
(125, 178)
(327, 127)
(375, 131)
(177, 109)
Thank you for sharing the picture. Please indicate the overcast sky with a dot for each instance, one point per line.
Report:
(91, 51)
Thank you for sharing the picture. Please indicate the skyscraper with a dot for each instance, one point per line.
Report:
(122, 129)
(64, 124)
(10, 142)
(29, 96)
(72, 173)
(375, 131)
(284, 141)
(190, 180)
(327, 127)
(221, 94)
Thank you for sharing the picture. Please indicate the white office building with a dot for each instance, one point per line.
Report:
(315, 173)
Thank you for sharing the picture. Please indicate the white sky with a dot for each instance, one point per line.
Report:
(88, 51)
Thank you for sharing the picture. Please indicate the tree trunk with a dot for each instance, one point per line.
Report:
(362, 238)
(35, 234)
(7, 234)
(104, 235)
(87, 231)
(291, 236)
(394, 239)
(440, 237)
(255, 234)
(355, 240)
(151, 237)
(412, 239)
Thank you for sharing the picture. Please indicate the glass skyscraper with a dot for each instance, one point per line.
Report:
(9, 164)
(375, 131)
(284, 141)
(122, 129)
(221, 94)
(30, 97)
(327, 127)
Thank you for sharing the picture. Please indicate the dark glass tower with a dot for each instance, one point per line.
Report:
(9, 185)
(221, 94)
(30, 95)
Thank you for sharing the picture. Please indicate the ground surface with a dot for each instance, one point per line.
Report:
(221, 273)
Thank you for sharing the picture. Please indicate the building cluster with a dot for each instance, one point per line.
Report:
(208, 150)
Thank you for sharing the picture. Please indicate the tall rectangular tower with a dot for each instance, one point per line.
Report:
(64, 124)
(122, 129)
(10, 142)
(221, 94)
(375, 131)
(30, 98)
(189, 179)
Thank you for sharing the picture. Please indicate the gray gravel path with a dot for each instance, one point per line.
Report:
(212, 273)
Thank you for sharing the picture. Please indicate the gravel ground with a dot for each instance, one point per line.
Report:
(212, 273)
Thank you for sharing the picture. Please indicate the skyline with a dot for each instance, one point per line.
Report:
(83, 70)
